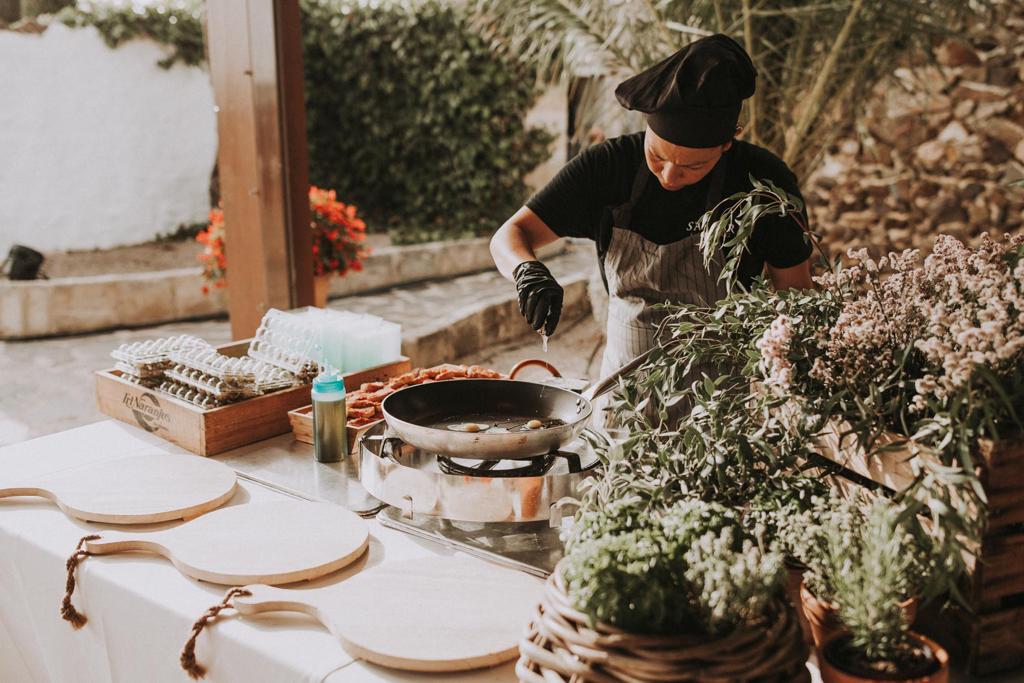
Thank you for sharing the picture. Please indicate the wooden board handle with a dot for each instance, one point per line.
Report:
(245, 600)
(12, 491)
(35, 491)
(113, 542)
(94, 544)
(270, 599)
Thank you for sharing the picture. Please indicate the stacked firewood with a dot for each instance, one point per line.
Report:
(937, 151)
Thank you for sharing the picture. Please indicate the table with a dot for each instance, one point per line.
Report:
(140, 608)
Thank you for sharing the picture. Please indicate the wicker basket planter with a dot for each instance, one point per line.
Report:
(560, 645)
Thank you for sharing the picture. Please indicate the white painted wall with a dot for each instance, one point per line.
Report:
(99, 147)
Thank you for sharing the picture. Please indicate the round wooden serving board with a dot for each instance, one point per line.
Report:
(134, 489)
(428, 614)
(273, 543)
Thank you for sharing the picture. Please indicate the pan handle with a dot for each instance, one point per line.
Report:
(388, 446)
(605, 384)
(533, 361)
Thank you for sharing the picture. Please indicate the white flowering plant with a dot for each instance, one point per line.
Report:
(827, 532)
(687, 568)
(788, 517)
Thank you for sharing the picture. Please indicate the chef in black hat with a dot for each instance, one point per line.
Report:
(637, 196)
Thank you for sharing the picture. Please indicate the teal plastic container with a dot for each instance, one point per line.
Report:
(330, 436)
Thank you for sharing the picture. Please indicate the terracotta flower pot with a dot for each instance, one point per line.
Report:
(321, 288)
(831, 673)
(823, 617)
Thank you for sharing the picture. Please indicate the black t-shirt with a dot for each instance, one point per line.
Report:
(602, 176)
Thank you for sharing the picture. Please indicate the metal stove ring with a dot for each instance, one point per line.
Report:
(415, 482)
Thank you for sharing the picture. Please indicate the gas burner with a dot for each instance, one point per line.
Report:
(457, 488)
(531, 467)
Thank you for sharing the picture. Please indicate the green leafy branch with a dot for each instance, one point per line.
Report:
(177, 25)
(728, 227)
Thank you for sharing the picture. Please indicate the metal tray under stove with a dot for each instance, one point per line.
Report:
(532, 547)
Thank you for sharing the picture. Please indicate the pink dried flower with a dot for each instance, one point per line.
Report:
(962, 308)
(977, 317)
(774, 346)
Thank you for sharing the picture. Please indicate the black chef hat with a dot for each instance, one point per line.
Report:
(693, 98)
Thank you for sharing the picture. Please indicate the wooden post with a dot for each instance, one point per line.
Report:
(255, 57)
(10, 11)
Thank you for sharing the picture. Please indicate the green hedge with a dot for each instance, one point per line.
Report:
(415, 119)
(411, 116)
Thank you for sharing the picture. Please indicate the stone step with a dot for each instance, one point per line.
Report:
(75, 305)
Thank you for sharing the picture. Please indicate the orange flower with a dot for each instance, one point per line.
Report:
(337, 236)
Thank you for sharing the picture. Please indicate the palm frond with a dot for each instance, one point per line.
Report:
(815, 58)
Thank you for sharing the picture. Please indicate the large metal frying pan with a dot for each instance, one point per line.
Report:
(414, 412)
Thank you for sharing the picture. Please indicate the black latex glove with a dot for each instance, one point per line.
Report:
(540, 296)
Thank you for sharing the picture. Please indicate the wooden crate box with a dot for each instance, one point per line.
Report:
(212, 431)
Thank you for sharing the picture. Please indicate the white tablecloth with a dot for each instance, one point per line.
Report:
(140, 609)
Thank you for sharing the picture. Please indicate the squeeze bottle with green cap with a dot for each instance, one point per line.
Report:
(330, 440)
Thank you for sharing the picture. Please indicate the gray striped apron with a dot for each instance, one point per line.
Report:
(641, 274)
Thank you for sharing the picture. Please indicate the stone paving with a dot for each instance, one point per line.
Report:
(49, 384)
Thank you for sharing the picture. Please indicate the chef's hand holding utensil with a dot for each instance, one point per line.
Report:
(540, 296)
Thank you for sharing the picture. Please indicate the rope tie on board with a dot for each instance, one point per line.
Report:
(67, 610)
(188, 654)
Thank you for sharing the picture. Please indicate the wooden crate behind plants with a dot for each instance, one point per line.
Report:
(993, 636)
(995, 633)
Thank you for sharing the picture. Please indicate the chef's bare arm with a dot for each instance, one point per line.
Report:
(519, 239)
(798, 277)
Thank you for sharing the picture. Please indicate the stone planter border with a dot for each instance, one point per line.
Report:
(73, 305)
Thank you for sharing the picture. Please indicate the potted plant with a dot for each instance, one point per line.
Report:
(647, 594)
(931, 350)
(338, 236)
(869, 574)
(846, 532)
(785, 516)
